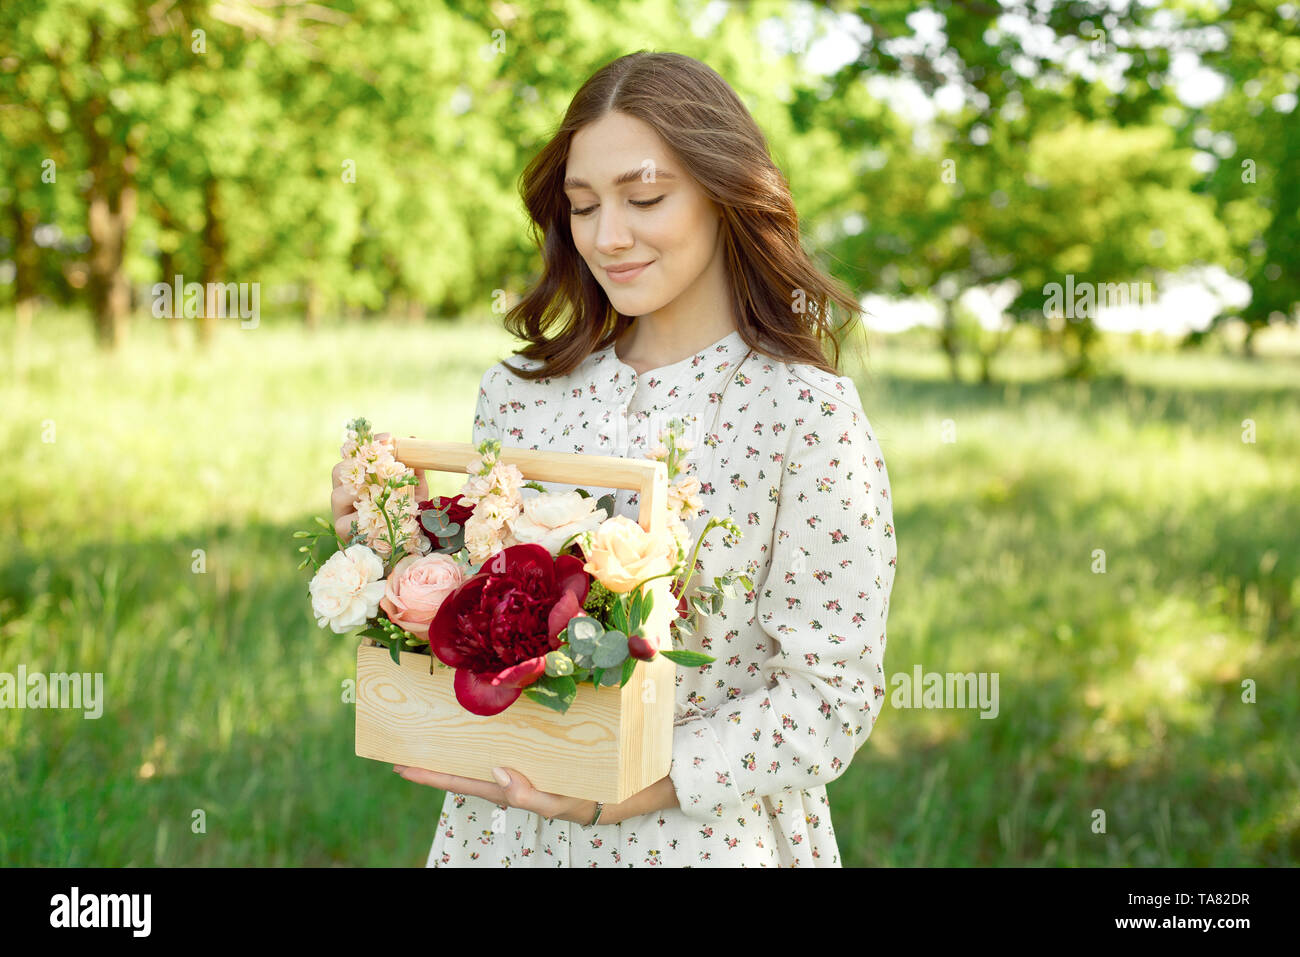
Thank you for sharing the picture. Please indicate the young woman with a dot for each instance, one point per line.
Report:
(674, 286)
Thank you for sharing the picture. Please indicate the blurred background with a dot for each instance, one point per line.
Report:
(1075, 228)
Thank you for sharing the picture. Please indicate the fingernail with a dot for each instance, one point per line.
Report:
(399, 768)
(503, 779)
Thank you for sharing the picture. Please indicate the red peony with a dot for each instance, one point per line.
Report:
(497, 627)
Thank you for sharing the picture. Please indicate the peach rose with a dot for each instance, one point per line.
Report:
(622, 554)
(417, 587)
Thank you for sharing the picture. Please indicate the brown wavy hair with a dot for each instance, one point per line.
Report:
(697, 113)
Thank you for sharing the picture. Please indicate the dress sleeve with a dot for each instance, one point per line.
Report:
(490, 412)
(824, 603)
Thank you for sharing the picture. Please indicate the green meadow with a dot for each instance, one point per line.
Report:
(1124, 554)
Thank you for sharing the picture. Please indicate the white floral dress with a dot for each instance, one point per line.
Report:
(798, 682)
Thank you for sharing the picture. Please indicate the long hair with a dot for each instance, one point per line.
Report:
(781, 297)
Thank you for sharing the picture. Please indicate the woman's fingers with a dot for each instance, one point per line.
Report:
(343, 525)
(342, 501)
(337, 474)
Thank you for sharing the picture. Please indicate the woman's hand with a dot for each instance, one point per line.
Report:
(344, 504)
(516, 792)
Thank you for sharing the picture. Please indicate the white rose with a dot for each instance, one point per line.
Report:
(550, 518)
(346, 590)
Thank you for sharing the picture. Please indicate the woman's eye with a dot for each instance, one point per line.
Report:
(642, 203)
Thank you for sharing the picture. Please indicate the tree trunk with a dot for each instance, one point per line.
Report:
(26, 264)
(948, 341)
(213, 264)
(167, 260)
(110, 213)
(312, 305)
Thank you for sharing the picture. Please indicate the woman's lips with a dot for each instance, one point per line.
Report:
(627, 275)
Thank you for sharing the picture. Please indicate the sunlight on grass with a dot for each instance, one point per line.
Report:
(1115, 552)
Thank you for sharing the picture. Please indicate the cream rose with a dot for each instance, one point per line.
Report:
(623, 554)
(345, 592)
(550, 518)
(417, 587)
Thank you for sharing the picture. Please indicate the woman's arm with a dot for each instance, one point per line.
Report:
(825, 601)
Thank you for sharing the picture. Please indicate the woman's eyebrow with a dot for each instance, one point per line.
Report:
(573, 182)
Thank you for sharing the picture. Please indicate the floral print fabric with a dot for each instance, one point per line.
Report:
(787, 451)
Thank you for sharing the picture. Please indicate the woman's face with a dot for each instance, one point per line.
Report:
(658, 215)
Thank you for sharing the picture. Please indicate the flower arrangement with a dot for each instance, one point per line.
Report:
(520, 596)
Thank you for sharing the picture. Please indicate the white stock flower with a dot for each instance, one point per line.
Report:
(389, 468)
(345, 592)
(684, 497)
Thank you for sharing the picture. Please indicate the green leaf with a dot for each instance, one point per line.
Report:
(583, 633)
(395, 649)
(717, 604)
(556, 693)
(648, 604)
(618, 616)
(610, 677)
(749, 586)
(607, 503)
(611, 650)
(684, 626)
(596, 676)
(690, 659)
(700, 606)
(628, 667)
(583, 492)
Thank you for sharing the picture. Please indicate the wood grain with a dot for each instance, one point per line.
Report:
(610, 744)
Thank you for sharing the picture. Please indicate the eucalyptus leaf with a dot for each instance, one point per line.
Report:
(584, 628)
(583, 632)
(610, 677)
(611, 650)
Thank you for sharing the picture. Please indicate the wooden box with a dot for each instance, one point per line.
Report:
(611, 743)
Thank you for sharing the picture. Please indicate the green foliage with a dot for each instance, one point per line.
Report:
(1120, 690)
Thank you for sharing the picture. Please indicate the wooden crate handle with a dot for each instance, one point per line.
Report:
(647, 477)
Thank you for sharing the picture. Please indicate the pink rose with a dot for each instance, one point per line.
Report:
(416, 589)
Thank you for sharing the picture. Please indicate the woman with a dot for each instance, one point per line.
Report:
(675, 286)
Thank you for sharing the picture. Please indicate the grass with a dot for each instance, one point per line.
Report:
(1120, 690)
